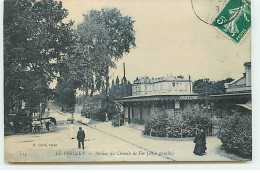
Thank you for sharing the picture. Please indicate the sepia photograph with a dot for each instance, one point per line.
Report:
(132, 81)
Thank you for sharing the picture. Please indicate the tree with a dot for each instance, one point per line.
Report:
(36, 40)
(117, 81)
(210, 87)
(102, 38)
(120, 90)
(65, 93)
(99, 104)
(113, 83)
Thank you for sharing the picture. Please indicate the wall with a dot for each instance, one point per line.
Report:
(162, 87)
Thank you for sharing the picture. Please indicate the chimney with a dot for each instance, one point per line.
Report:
(248, 73)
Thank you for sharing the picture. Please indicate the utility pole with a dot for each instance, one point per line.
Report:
(189, 83)
(124, 79)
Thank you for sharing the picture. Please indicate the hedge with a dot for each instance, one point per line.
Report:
(236, 133)
(179, 126)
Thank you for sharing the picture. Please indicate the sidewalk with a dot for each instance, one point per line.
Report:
(183, 150)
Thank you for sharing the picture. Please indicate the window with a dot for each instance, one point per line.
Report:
(169, 86)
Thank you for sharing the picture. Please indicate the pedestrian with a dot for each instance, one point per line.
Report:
(106, 118)
(200, 143)
(48, 125)
(43, 125)
(72, 130)
(48, 113)
(81, 137)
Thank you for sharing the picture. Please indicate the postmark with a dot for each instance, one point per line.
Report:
(240, 13)
(207, 10)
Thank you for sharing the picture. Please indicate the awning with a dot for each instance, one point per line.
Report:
(159, 98)
(248, 105)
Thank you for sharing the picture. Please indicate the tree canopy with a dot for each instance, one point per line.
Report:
(210, 87)
(36, 40)
(102, 38)
(99, 104)
(40, 47)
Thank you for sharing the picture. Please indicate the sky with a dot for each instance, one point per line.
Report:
(170, 39)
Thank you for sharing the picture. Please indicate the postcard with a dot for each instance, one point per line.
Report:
(115, 81)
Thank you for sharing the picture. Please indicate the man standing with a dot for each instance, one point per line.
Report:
(81, 137)
(48, 125)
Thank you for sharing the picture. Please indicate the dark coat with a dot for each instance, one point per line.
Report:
(81, 135)
(200, 141)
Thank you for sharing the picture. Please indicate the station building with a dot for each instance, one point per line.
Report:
(173, 94)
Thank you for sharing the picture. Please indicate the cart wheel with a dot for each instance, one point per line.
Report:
(25, 129)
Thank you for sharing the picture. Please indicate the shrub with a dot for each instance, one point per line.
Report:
(183, 125)
(138, 121)
(118, 120)
(236, 133)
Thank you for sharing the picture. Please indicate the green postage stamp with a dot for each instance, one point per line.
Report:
(235, 19)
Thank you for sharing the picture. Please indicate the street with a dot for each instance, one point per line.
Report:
(103, 143)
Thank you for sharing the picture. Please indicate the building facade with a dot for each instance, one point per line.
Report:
(162, 85)
(164, 93)
(170, 93)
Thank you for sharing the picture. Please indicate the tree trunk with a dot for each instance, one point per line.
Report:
(107, 86)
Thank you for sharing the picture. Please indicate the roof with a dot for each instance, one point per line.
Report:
(160, 97)
(194, 96)
(248, 105)
(240, 82)
(230, 96)
(147, 80)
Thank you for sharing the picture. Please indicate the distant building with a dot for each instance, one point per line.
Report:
(243, 84)
(162, 85)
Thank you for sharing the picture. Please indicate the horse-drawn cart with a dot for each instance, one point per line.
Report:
(38, 125)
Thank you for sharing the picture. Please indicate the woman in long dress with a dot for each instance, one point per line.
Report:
(200, 141)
